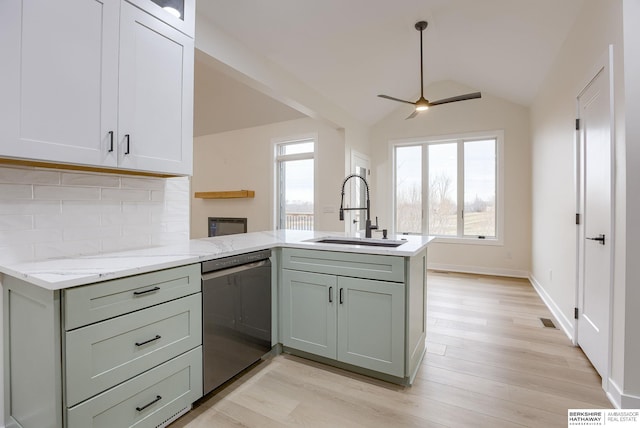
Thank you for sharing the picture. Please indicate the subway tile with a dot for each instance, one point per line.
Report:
(16, 222)
(111, 219)
(16, 191)
(175, 196)
(82, 233)
(91, 180)
(153, 208)
(168, 238)
(143, 183)
(66, 193)
(125, 195)
(178, 184)
(91, 207)
(66, 249)
(158, 195)
(15, 253)
(126, 242)
(176, 227)
(22, 237)
(17, 206)
(66, 220)
(177, 208)
(25, 175)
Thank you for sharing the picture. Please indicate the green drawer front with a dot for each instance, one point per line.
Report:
(367, 266)
(105, 354)
(91, 303)
(177, 382)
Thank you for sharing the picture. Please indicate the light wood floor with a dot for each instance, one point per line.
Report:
(489, 363)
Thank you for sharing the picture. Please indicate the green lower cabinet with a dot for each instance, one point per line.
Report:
(355, 321)
(309, 312)
(148, 400)
(371, 325)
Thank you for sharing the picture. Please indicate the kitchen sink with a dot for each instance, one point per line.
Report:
(343, 240)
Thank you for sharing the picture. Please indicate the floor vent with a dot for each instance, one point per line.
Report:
(547, 322)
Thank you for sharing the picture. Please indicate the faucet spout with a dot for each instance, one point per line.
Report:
(368, 226)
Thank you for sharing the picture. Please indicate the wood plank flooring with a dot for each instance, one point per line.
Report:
(490, 363)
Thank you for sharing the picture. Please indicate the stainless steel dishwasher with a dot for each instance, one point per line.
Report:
(236, 315)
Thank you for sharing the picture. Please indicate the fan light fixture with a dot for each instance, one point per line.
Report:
(423, 104)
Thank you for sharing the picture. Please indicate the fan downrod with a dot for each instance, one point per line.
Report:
(421, 25)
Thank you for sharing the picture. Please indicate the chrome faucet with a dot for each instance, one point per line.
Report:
(368, 226)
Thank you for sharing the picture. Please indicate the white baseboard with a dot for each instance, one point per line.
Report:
(621, 400)
(479, 270)
(566, 324)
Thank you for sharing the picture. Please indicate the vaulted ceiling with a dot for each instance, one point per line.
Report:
(352, 50)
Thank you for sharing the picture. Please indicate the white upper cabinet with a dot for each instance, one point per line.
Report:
(155, 124)
(100, 83)
(60, 81)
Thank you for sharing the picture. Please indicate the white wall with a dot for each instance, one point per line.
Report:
(487, 113)
(243, 159)
(553, 135)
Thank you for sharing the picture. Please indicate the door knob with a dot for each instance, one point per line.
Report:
(599, 238)
(355, 221)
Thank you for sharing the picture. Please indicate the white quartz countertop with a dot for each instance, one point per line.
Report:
(60, 273)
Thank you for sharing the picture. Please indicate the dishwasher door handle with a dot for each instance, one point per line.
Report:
(235, 269)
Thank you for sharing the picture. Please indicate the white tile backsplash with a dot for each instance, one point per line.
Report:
(55, 213)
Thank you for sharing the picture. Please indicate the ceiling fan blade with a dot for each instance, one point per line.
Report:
(396, 99)
(412, 115)
(470, 96)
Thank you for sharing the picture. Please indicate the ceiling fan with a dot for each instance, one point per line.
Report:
(423, 104)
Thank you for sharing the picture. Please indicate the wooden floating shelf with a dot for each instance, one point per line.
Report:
(229, 194)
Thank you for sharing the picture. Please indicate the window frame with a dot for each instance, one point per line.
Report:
(460, 139)
(278, 162)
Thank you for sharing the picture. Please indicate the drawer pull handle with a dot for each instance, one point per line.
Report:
(128, 138)
(151, 290)
(341, 299)
(330, 294)
(149, 341)
(158, 398)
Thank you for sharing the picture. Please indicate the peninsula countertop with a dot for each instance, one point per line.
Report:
(66, 272)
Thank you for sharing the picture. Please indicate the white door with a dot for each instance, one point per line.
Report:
(356, 219)
(595, 246)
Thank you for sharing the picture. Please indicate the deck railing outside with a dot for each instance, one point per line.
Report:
(299, 221)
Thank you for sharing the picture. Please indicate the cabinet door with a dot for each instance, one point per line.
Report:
(371, 324)
(309, 312)
(155, 95)
(59, 80)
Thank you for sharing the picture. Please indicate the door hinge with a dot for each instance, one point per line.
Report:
(575, 313)
(577, 124)
(577, 218)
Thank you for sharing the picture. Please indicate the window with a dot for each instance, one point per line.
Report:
(449, 187)
(295, 184)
